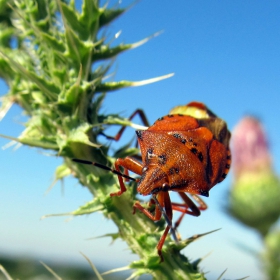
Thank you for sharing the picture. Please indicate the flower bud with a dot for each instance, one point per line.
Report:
(255, 194)
(250, 148)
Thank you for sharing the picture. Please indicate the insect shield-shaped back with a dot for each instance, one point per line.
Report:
(184, 154)
(220, 160)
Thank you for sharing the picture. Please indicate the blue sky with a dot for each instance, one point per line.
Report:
(223, 53)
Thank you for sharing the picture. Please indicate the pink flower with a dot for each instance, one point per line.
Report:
(250, 151)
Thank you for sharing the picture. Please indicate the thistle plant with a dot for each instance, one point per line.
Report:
(55, 63)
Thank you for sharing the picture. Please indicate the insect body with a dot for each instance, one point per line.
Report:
(180, 153)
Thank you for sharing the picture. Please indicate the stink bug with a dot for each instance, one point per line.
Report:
(186, 152)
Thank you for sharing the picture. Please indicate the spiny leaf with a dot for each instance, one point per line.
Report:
(71, 96)
(78, 134)
(43, 143)
(116, 270)
(6, 106)
(90, 207)
(47, 87)
(77, 50)
(106, 52)
(183, 243)
(114, 236)
(54, 43)
(114, 119)
(90, 16)
(111, 86)
(61, 172)
(72, 19)
(109, 15)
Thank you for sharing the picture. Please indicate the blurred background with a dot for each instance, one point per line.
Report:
(225, 54)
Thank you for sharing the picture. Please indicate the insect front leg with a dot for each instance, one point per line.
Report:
(166, 217)
(127, 163)
(163, 199)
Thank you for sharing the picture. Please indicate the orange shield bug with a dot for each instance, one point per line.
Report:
(186, 152)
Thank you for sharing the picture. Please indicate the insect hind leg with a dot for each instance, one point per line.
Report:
(188, 207)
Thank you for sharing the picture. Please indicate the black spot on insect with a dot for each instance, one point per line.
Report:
(200, 156)
(195, 144)
(183, 141)
(162, 159)
(227, 166)
(160, 119)
(228, 157)
(204, 193)
(173, 170)
(177, 135)
(139, 134)
(170, 116)
(194, 150)
(224, 175)
(180, 115)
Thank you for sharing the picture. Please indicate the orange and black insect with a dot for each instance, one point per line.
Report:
(183, 153)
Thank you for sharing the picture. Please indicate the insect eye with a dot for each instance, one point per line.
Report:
(165, 187)
(145, 168)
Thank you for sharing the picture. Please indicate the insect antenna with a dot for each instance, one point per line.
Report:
(102, 166)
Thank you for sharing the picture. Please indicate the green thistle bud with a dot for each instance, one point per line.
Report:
(255, 194)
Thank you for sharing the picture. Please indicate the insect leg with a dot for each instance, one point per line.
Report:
(168, 221)
(168, 209)
(188, 207)
(163, 200)
(128, 164)
(156, 217)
